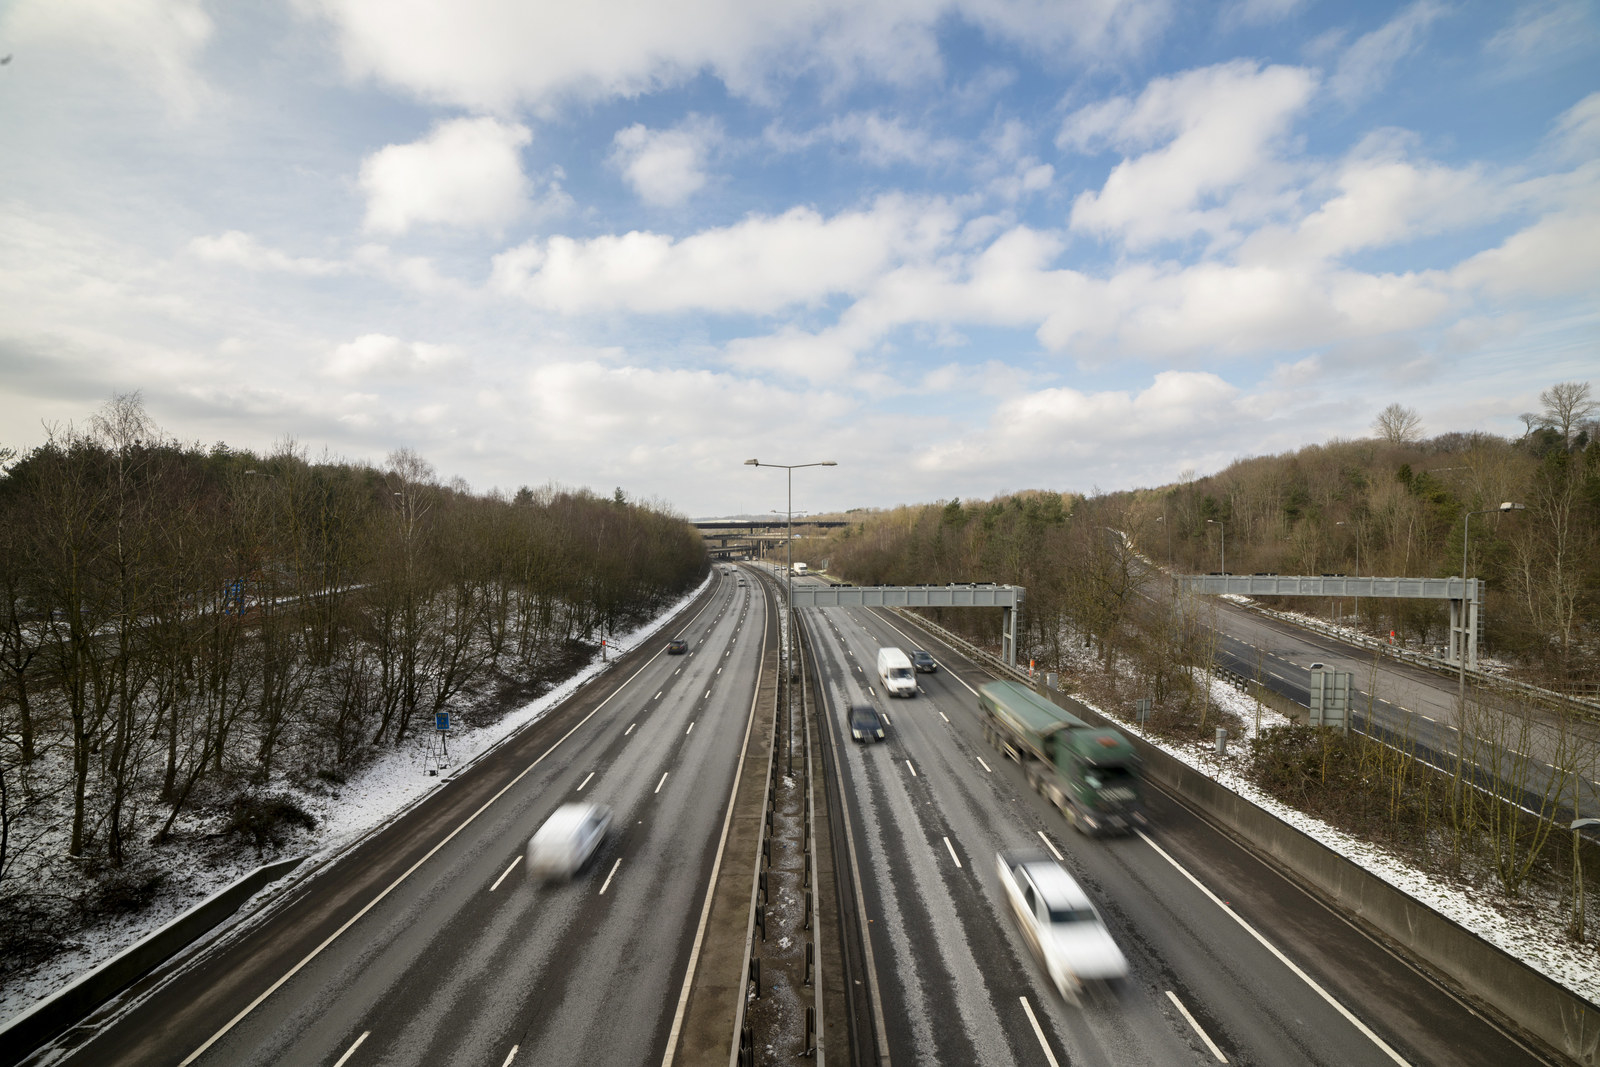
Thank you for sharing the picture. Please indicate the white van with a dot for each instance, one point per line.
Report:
(894, 671)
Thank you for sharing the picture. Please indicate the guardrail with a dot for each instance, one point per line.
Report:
(1479, 971)
(1422, 659)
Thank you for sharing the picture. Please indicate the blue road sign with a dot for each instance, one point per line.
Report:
(441, 720)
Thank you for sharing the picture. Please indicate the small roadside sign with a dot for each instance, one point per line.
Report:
(441, 720)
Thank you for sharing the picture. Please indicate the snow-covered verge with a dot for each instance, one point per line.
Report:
(344, 814)
(1532, 930)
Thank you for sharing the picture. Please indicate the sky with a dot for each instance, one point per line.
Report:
(958, 247)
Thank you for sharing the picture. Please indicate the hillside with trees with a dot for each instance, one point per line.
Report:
(1390, 505)
(184, 630)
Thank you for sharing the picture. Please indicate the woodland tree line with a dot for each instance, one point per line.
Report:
(1392, 505)
(180, 627)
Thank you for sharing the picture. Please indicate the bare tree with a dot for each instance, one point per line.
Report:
(1566, 404)
(1398, 425)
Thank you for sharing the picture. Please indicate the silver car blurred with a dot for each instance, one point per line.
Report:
(566, 841)
(1061, 926)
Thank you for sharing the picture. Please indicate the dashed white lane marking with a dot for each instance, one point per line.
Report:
(629, 730)
(1038, 1032)
(943, 716)
(985, 766)
(1210, 1044)
(886, 721)
(1049, 846)
(910, 768)
(708, 694)
(663, 780)
(610, 876)
(658, 695)
(502, 877)
(351, 1051)
(1270, 947)
(719, 671)
(510, 1056)
(585, 782)
(690, 730)
(677, 672)
(952, 849)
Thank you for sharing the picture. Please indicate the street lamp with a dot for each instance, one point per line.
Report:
(1341, 522)
(1461, 640)
(1577, 877)
(1219, 522)
(788, 560)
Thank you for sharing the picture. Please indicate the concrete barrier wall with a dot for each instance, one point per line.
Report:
(74, 1003)
(1554, 1015)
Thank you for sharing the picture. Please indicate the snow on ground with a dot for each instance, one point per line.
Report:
(377, 794)
(1541, 945)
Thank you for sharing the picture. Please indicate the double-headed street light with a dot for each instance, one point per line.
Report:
(788, 559)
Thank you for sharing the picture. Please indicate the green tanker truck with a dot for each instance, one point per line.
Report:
(1091, 774)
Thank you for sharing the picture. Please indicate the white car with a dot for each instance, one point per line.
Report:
(1061, 926)
(567, 839)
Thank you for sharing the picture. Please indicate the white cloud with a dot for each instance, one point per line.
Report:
(882, 141)
(1558, 255)
(759, 265)
(154, 42)
(496, 54)
(377, 356)
(1541, 32)
(1577, 132)
(465, 173)
(1216, 128)
(1367, 63)
(1259, 12)
(242, 250)
(1048, 426)
(665, 167)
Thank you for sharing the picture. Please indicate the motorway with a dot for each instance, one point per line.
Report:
(427, 945)
(1229, 961)
(1413, 705)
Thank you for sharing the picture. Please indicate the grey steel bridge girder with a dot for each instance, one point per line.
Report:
(1006, 597)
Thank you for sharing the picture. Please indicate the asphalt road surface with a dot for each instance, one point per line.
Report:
(428, 945)
(1229, 961)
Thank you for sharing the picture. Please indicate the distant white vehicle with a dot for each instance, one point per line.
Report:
(894, 671)
(799, 569)
(1061, 926)
(567, 839)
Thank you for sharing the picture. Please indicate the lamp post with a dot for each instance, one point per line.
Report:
(1577, 877)
(1341, 522)
(1224, 528)
(1461, 650)
(788, 560)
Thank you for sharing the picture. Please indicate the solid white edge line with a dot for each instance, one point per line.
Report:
(663, 781)
(1270, 947)
(613, 874)
(585, 782)
(351, 1051)
(508, 870)
(985, 765)
(1051, 847)
(1038, 1032)
(409, 871)
(1210, 1044)
(952, 849)
(910, 768)
(716, 868)
(510, 1056)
